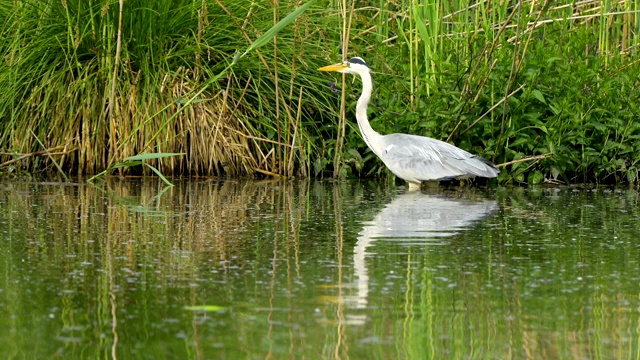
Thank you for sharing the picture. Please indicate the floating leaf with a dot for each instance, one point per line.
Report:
(208, 308)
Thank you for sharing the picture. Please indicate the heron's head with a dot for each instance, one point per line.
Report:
(354, 65)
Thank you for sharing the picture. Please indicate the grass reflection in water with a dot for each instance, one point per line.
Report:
(237, 269)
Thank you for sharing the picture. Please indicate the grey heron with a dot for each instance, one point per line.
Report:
(412, 158)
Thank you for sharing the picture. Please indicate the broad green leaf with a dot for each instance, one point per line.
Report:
(355, 154)
(535, 178)
(520, 141)
(598, 125)
(631, 175)
(538, 95)
(552, 60)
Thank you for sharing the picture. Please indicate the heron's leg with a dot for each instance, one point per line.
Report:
(413, 186)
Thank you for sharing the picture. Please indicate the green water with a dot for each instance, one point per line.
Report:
(346, 270)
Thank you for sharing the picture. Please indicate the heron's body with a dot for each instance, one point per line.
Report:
(412, 158)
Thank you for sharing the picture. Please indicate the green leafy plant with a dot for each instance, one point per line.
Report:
(138, 160)
(546, 90)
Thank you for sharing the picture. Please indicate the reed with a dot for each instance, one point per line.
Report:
(112, 82)
(105, 81)
(510, 81)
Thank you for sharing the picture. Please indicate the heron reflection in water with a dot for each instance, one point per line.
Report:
(414, 218)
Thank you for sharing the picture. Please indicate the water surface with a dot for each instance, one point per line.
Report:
(243, 269)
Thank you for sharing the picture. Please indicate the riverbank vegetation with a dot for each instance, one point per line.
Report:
(548, 90)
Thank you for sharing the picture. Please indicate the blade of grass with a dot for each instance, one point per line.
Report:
(158, 173)
(51, 158)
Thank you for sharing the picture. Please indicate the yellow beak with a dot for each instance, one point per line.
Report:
(334, 67)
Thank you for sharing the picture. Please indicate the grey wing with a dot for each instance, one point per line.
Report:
(417, 158)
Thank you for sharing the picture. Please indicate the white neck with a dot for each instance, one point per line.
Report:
(368, 134)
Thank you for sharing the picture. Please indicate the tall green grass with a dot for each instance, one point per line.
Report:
(108, 82)
(547, 89)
